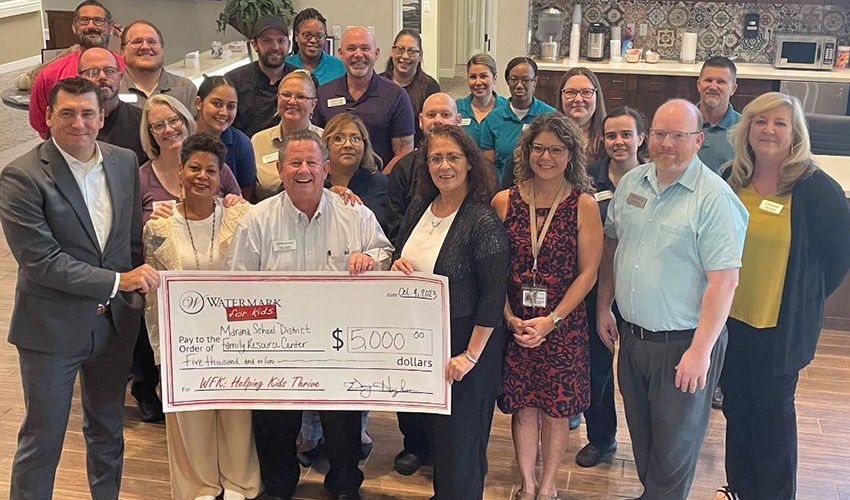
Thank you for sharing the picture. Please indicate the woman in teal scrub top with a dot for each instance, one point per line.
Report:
(309, 32)
(481, 76)
(501, 129)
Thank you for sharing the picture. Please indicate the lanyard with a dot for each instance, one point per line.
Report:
(537, 242)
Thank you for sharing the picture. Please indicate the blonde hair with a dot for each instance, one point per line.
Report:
(567, 132)
(796, 167)
(370, 160)
(300, 74)
(148, 141)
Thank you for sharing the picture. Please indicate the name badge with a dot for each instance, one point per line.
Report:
(533, 296)
(465, 122)
(636, 200)
(336, 101)
(604, 195)
(128, 98)
(270, 158)
(285, 245)
(525, 126)
(771, 207)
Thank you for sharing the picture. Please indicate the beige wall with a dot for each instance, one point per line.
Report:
(510, 37)
(447, 24)
(20, 37)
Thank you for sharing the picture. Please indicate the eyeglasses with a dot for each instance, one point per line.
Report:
(584, 93)
(97, 21)
(339, 139)
(675, 137)
(137, 42)
(109, 71)
(524, 81)
(399, 51)
(554, 151)
(454, 159)
(319, 37)
(301, 98)
(174, 122)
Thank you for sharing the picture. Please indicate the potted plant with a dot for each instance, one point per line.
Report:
(242, 14)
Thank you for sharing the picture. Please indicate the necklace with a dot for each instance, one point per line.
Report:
(192, 241)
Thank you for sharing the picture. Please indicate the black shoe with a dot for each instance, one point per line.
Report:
(717, 399)
(365, 450)
(346, 496)
(406, 463)
(306, 458)
(150, 407)
(575, 422)
(591, 455)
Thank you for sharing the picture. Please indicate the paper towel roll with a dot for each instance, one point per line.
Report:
(689, 48)
(616, 33)
(575, 42)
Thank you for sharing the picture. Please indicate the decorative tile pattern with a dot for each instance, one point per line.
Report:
(668, 20)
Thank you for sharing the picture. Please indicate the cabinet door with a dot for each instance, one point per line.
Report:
(547, 88)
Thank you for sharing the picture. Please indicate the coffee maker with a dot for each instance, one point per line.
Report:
(595, 42)
(550, 25)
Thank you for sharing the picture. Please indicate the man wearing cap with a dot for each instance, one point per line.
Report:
(256, 83)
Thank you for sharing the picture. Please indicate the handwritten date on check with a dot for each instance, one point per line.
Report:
(311, 340)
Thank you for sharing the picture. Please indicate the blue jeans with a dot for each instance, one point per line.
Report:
(311, 426)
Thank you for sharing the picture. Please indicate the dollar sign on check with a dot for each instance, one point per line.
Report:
(339, 343)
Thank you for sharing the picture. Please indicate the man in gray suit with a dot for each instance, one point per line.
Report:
(71, 213)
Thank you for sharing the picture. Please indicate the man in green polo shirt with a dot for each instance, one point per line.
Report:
(716, 84)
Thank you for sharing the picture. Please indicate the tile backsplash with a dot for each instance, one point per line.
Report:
(667, 21)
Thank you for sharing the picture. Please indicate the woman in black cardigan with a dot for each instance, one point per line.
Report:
(795, 255)
(450, 229)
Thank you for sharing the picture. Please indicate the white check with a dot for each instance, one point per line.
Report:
(311, 340)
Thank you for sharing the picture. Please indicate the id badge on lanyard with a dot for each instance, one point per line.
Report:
(536, 295)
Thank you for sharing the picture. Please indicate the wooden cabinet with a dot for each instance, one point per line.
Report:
(647, 92)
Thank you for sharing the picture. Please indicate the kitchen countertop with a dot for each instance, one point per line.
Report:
(674, 68)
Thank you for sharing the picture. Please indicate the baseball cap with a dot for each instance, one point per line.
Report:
(268, 21)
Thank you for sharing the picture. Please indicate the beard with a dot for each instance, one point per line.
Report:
(88, 40)
(272, 59)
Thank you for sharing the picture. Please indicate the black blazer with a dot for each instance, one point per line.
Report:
(474, 257)
(817, 263)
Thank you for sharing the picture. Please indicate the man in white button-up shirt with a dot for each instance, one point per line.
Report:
(307, 228)
(71, 213)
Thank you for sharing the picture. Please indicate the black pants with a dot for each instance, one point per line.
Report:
(414, 428)
(761, 420)
(143, 373)
(460, 447)
(601, 417)
(276, 433)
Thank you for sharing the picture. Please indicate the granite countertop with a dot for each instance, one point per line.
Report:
(674, 68)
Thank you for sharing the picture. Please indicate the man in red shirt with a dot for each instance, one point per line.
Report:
(92, 23)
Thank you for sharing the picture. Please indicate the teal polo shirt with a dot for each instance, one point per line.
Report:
(329, 67)
(668, 240)
(716, 149)
(468, 121)
(501, 129)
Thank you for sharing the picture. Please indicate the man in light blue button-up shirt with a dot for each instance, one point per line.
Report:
(673, 241)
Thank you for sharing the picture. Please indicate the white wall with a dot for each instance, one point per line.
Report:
(509, 36)
(431, 41)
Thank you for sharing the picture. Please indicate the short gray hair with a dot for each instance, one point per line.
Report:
(148, 141)
(303, 134)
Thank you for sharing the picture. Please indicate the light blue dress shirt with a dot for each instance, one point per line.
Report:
(469, 123)
(697, 224)
(329, 67)
(501, 130)
(716, 149)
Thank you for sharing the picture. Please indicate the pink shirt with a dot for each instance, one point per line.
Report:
(64, 67)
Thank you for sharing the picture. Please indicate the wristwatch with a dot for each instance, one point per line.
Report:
(557, 320)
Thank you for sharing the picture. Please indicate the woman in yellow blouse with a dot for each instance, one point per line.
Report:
(795, 255)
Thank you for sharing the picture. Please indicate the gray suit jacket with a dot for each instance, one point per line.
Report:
(63, 275)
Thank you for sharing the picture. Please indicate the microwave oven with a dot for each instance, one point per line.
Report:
(805, 51)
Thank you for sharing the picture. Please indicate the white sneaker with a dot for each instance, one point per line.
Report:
(232, 495)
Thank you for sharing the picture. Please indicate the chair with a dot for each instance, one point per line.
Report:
(829, 134)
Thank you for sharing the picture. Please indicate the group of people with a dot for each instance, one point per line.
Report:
(561, 231)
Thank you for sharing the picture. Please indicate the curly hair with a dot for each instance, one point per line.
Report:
(481, 178)
(203, 142)
(567, 132)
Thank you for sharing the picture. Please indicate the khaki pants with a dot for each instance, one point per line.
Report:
(211, 450)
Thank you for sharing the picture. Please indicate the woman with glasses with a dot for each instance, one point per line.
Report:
(166, 123)
(309, 32)
(482, 99)
(211, 453)
(216, 105)
(404, 67)
(795, 256)
(501, 129)
(555, 236)
(450, 229)
(296, 100)
(625, 148)
(582, 102)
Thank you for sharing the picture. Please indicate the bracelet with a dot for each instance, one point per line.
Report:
(470, 358)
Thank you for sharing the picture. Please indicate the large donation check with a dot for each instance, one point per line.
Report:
(313, 340)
